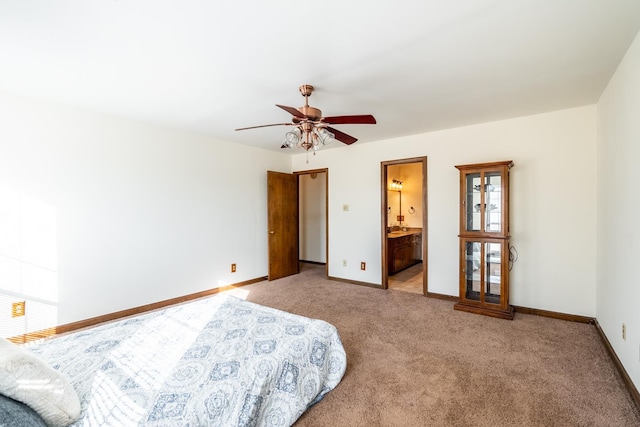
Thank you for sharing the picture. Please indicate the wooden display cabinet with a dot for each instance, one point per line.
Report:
(484, 239)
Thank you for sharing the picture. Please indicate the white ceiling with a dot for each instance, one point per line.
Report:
(213, 66)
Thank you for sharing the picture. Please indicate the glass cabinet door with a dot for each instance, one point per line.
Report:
(483, 202)
(493, 201)
(492, 272)
(472, 210)
(483, 271)
(473, 278)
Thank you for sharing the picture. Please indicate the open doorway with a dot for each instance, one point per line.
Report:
(404, 225)
(313, 213)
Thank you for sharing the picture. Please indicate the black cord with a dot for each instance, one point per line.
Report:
(513, 256)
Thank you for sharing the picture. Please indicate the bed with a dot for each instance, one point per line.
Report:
(218, 361)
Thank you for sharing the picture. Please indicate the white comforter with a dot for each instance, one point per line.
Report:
(219, 361)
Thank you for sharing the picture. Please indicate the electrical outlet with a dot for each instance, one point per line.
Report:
(233, 268)
(18, 309)
(344, 262)
(363, 265)
(624, 332)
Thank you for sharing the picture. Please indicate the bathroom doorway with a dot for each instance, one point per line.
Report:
(404, 225)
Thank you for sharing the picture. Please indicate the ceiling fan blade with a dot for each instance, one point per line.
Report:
(363, 119)
(293, 111)
(341, 136)
(264, 126)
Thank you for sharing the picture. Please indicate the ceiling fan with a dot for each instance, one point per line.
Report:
(311, 130)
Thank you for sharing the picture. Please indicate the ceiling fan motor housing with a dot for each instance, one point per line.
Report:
(311, 113)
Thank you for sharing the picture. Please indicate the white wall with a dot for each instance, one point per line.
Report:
(618, 285)
(127, 214)
(313, 217)
(138, 214)
(553, 204)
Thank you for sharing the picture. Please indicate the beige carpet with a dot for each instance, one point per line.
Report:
(414, 361)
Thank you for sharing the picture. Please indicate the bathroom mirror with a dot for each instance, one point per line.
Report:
(394, 208)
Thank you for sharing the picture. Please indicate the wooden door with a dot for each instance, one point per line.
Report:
(282, 202)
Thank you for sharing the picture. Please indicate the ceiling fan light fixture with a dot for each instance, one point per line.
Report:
(292, 138)
(310, 132)
(325, 136)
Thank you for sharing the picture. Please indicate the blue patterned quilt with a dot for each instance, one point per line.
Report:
(218, 361)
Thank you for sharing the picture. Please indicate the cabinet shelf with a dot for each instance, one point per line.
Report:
(494, 280)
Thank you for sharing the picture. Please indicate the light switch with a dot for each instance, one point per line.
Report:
(345, 208)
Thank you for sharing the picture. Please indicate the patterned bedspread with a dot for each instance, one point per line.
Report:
(218, 361)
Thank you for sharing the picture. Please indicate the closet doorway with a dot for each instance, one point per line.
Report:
(312, 212)
(404, 225)
(297, 221)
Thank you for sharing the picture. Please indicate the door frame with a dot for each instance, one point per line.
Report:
(384, 221)
(326, 213)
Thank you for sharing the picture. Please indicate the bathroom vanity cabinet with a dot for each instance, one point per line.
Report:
(484, 239)
(404, 250)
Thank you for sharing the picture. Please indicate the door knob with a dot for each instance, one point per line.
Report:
(272, 232)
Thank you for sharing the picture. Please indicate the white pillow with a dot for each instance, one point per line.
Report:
(27, 379)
